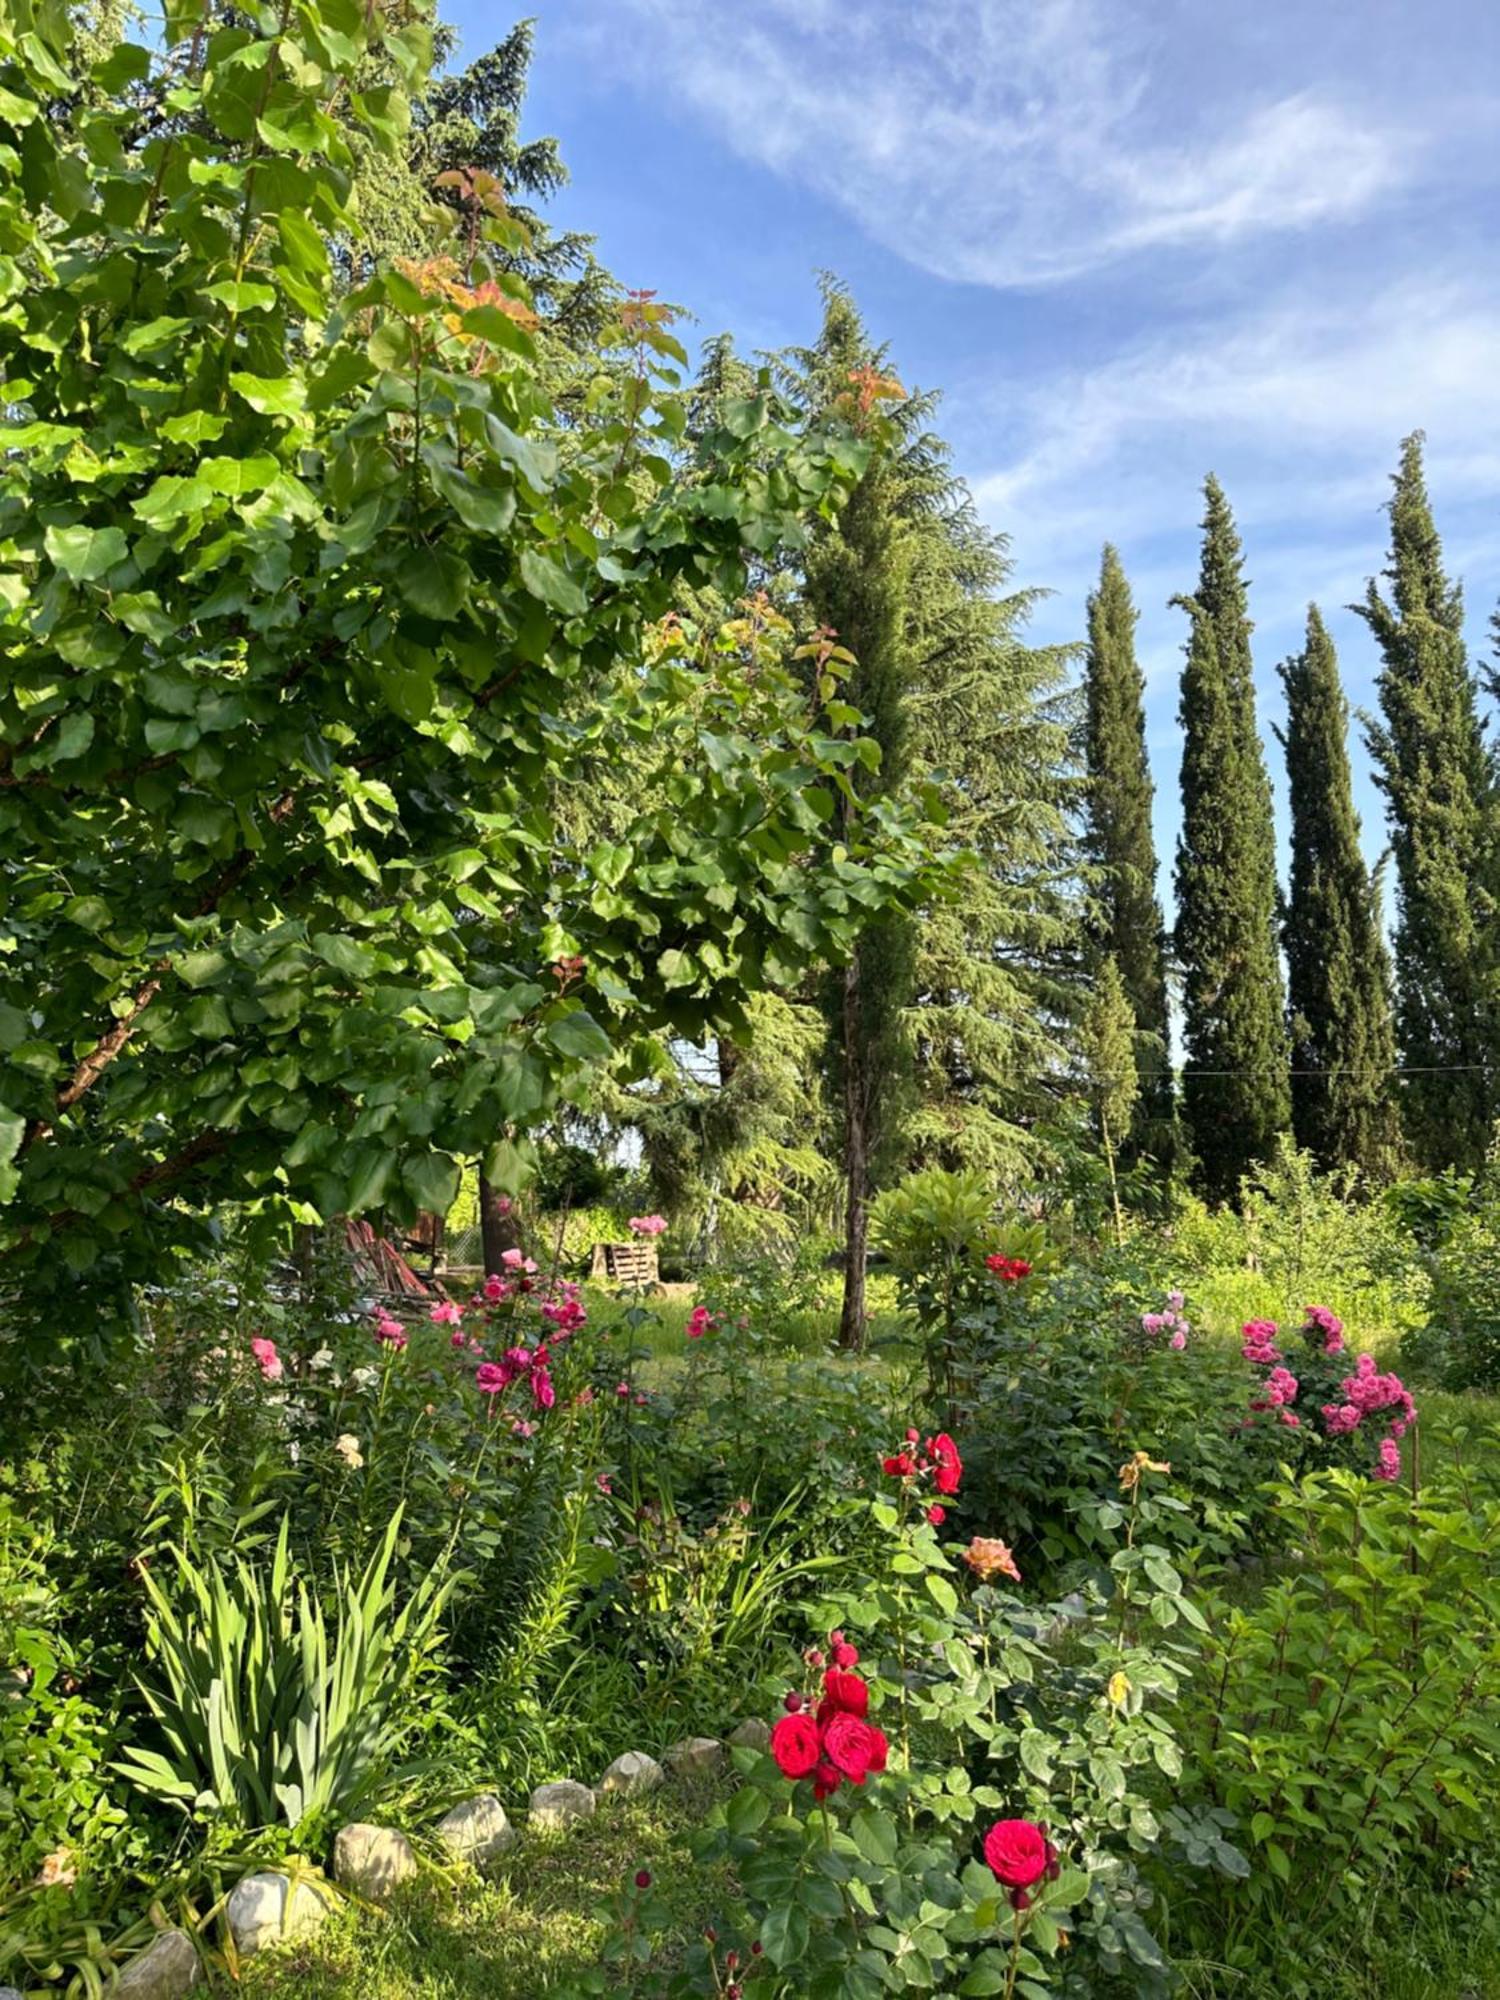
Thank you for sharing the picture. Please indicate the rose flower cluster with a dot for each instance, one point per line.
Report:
(1009, 1270)
(834, 1741)
(935, 1459)
(1342, 1401)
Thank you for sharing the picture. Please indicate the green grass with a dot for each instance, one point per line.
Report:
(535, 1928)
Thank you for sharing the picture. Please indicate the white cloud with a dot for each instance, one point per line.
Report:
(1005, 142)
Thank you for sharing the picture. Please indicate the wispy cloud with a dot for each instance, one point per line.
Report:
(1007, 142)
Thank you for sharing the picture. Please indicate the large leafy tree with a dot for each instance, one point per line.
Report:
(302, 609)
(1127, 923)
(1236, 1092)
(1431, 763)
(463, 141)
(1338, 975)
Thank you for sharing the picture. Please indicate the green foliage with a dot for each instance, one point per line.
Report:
(1459, 1223)
(1127, 927)
(1432, 765)
(271, 1710)
(52, 1736)
(1338, 973)
(1235, 1088)
(1347, 1717)
(281, 870)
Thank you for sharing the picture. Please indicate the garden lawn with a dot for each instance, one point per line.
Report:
(539, 1926)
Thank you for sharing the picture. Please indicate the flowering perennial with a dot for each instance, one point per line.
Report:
(834, 1741)
(937, 1460)
(267, 1360)
(1170, 1320)
(1009, 1270)
(647, 1225)
(1343, 1404)
(1019, 1854)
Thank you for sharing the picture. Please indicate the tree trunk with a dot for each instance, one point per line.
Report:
(497, 1225)
(852, 1318)
(1114, 1180)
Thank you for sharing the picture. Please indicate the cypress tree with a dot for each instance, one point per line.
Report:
(1338, 976)
(1430, 762)
(1236, 1093)
(856, 586)
(1128, 924)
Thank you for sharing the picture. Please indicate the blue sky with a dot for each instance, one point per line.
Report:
(1130, 240)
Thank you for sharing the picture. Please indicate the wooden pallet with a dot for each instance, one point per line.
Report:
(625, 1264)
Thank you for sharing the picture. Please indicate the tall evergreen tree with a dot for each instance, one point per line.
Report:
(1127, 925)
(1338, 975)
(1431, 763)
(1236, 1091)
(856, 585)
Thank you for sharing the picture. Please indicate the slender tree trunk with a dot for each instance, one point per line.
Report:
(852, 1318)
(1114, 1179)
(497, 1225)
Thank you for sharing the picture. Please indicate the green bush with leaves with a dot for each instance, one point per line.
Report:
(1348, 1716)
(307, 598)
(273, 1711)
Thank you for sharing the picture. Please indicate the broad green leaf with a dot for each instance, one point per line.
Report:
(552, 584)
(432, 1182)
(241, 296)
(85, 554)
(433, 582)
(579, 1035)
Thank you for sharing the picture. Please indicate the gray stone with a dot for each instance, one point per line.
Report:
(561, 1803)
(752, 1734)
(372, 1861)
(695, 1757)
(631, 1774)
(477, 1831)
(11, 1993)
(268, 1907)
(166, 1969)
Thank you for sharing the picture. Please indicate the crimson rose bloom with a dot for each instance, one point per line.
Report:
(1017, 1852)
(902, 1466)
(847, 1692)
(826, 1781)
(854, 1747)
(947, 1466)
(795, 1745)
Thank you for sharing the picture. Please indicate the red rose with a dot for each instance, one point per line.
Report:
(854, 1747)
(1017, 1852)
(900, 1467)
(795, 1745)
(937, 1516)
(845, 1655)
(826, 1781)
(947, 1466)
(843, 1694)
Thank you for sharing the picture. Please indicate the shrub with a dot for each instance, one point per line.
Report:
(1347, 1717)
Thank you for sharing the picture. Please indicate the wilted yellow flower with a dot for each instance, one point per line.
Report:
(1139, 1462)
(1118, 1690)
(57, 1871)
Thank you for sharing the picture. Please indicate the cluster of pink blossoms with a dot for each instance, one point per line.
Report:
(1259, 1336)
(1170, 1321)
(388, 1330)
(647, 1225)
(1363, 1394)
(267, 1360)
(1319, 1320)
(700, 1321)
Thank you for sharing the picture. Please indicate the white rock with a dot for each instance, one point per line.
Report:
(11, 1993)
(561, 1803)
(752, 1734)
(628, 1775)
(270, 1906)
(694, 1757)
(477, 1831)
(165, 1970)
(372, 1860)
